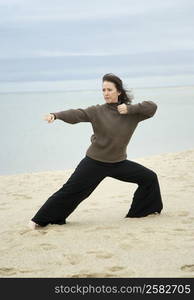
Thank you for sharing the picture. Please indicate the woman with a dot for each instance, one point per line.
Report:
(113, 124)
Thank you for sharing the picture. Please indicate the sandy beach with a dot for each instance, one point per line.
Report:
(97, 240)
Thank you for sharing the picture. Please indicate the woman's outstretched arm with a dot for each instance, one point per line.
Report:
(72, 116)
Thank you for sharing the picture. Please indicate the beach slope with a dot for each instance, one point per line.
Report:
(98, 241)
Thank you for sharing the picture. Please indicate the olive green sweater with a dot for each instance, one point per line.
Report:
(112, 130)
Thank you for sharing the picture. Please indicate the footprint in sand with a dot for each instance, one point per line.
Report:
(128, 273)
(21, 232)
(33, 232)
(109, 273)
(183, 213)
(178, 232)
(188, 268)
(7, 271)
(101, 228)
(104, 255)
(128, 244)
(47, 246)
(73, 259)
(12, 271)
(101, 254)
(5, 208)
(40, 231)
(21, 196)
(85, 274)
(188, 221)
(29, 271)
(116, 268)
(125, 245)
(180, 229)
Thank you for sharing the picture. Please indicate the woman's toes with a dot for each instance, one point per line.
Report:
(33, 225)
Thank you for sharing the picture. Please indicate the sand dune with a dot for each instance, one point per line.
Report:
(97, 240)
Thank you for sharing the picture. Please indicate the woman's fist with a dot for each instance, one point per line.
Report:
(50, 118)
(122, 108)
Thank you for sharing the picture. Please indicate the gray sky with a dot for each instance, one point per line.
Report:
(56, 40)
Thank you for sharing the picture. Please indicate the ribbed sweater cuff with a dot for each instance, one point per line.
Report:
(54, 115)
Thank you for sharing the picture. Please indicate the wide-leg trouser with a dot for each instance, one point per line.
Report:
(86, 177)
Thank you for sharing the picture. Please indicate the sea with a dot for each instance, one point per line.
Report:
(31, 144)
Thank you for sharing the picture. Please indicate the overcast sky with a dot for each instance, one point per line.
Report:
(55, 40)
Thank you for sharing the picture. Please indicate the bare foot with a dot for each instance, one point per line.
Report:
(33, 225)
(155, 213)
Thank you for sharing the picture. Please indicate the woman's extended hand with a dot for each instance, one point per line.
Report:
(122, 108)
(50, 118)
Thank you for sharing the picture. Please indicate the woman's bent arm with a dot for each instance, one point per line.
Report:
(144, 110)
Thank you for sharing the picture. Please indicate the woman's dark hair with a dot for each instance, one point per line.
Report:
(126, 95)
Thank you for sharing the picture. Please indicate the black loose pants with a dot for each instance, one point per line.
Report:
(86, 177)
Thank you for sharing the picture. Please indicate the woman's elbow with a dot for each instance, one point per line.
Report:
(153, 108)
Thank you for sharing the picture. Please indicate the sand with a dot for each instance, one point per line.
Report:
(97, 240)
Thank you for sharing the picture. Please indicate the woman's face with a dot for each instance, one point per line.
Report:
(110, 92)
